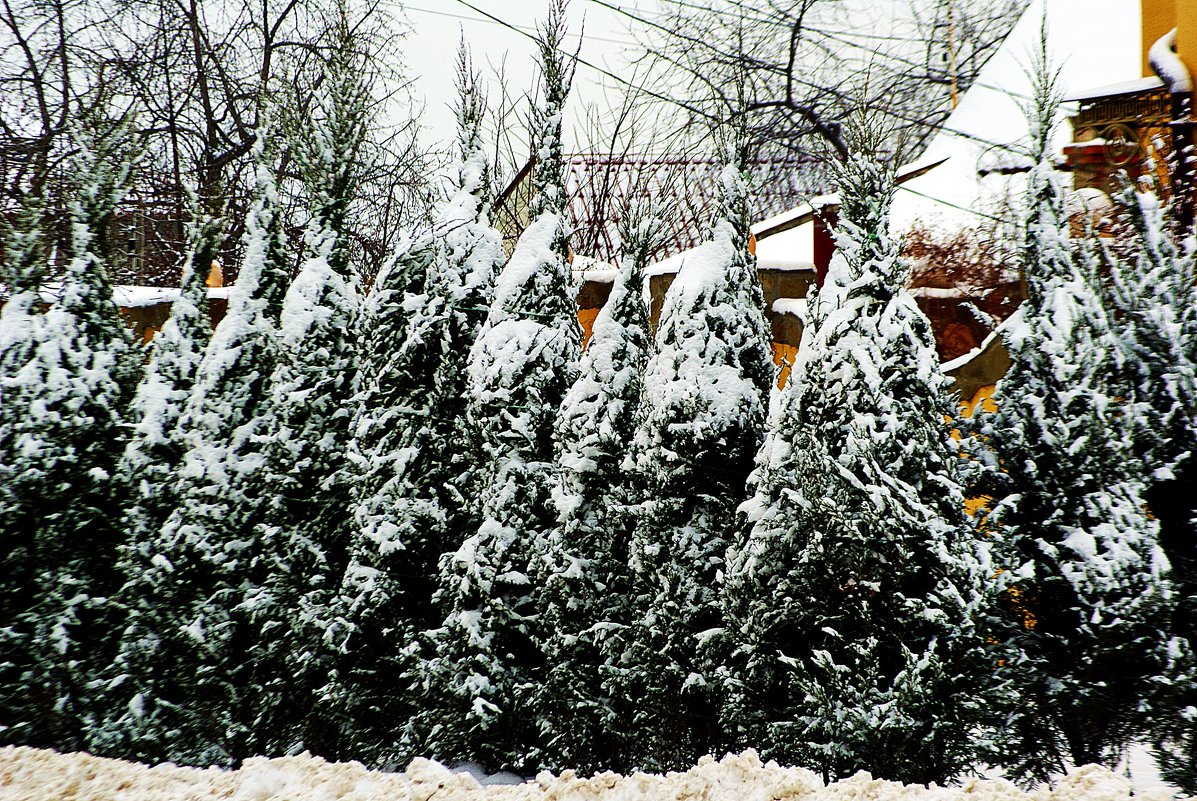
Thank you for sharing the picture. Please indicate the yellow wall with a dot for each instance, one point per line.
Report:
(586, 319)
(1159, 17)
(1186, 33)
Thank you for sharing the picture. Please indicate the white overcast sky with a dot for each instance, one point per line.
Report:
(437, 26)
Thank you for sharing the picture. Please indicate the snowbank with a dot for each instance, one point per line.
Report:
(28, 774)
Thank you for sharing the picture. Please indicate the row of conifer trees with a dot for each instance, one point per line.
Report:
(423, 521)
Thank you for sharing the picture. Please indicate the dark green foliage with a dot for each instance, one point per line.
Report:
(706, 393)
(412, 452)
(585, 600)
(476, 677)
(1152, 286)
(192, 590)
(68, 376)
(854, 598)
(157, 444)
(303, 527)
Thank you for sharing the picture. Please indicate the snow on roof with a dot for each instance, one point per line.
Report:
(1091, 42)
(794, 306)
(792, 250)
(586, 268)
(803, 213)
(797, 215)
(965, 358)
(670, 265)
(1120, 88)
(597, 276)
(777, 258)
(133, 296)
(130, 297)
(785, 265)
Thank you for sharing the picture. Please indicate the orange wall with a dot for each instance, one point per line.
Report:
(1159, 17)
(1186, 33)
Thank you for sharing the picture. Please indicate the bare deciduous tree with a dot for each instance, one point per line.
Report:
(198, 75)
(795, 68)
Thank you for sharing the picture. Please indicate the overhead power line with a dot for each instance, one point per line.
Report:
(527, 29)
(658, 96)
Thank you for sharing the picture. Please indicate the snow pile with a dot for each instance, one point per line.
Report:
(28, 774)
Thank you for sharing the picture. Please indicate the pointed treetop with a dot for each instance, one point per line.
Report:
(863, 235)
(640, 231)
(732, 215)
(471, 103)
(22, 266)
(329, 139)
(557, 74)
(104, 160)
(1047, 97)
(264, 264)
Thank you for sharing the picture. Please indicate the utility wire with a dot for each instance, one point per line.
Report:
(893, 112)
(521, 28)
(714, 118)
(638, 88)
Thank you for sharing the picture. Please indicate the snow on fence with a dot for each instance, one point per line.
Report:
(28, 774)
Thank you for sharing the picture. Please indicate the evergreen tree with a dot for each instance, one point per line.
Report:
(22, 259)
(476, 679)
(412, 493)
(21, 374)
(304, 529)
(192, 590)
(1153, 280)
(853, 597)
(155, 449)
(706, 393)
(61, 505)
(21, 273)
(1091, 600)
(586, 588)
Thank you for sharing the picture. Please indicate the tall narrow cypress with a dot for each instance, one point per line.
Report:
(1091, 601)
(481, 664)
(413, 494)
(585, 600)
(69, 379)
(854, 599)
(706, 392)
(180, 670)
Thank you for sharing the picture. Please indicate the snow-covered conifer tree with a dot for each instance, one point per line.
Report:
(1153, 280)
(191, 590)
(411, 486)
(60, 505)
(305, 522)
(476, 678)
(1090, 602)
(706, 391)
(1153, 292)
(852, 598)
(21, 326)
(585, 596)
(22, 265)
(157, 443)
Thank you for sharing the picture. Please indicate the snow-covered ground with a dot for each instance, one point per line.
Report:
(28, 774)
